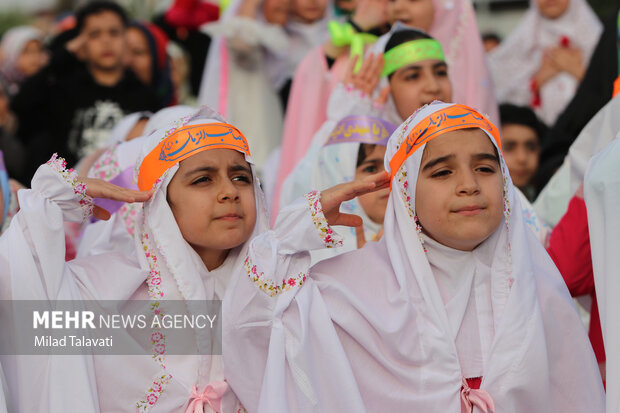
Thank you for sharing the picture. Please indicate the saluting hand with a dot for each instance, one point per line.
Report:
(98, 188)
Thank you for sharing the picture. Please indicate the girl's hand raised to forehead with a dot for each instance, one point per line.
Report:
(97, 188)
(367, 79)
(331, 198)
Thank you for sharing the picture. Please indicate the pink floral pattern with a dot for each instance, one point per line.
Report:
(59, 165)
(268, 286)
(130, 213)
(107, 166)
(329, 237)
(153, 393)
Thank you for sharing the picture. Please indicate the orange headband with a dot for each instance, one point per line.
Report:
(436, 124)
(185, 142)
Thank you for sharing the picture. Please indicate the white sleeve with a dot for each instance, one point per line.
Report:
(32, 250)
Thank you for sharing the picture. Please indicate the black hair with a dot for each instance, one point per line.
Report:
(404, 36)
(491, 36)
(510, 114)
(363, 152)
(96, 7)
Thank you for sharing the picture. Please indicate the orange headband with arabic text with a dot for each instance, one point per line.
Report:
(185, 142)
(449, 119)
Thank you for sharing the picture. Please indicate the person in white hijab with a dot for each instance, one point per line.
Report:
(22, 55)
(602, 196)
(457, 294)
(180, 254)
(543, 60)
(552, 202)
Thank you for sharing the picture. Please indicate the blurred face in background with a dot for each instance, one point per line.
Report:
(552, 9)
(414, 13)
(32, 58)
(138, 57)
(276, 11)
(419, 83)
(104, 47)
(521, 149)
(308, 11)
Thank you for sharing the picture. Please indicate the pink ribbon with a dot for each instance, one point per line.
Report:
(475, 397)
(211, 396)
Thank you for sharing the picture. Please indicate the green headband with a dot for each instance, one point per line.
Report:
(411, 52)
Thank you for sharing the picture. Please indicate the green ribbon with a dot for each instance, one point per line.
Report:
(343, 34)
(411, 52)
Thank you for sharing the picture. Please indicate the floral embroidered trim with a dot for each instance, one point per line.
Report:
(403, 185)
(329, 237)
(153, 393)
(268, 286)
(129, 213)
(59, 165)
(107, 166)
(241, 409)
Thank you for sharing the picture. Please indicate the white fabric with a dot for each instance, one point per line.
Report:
(124, 126)
(369, 331)
(602, 196)
(518, 58)
(241, 87)
(32, 258)
(552, 202)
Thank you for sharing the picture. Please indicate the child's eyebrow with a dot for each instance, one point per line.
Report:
(242, 168)
(201, 169)
(485, 156)
(372, 160)
(436, 161)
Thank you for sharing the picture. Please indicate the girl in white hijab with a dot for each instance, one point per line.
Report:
(457, 307)
(204, 203)
(543, 60)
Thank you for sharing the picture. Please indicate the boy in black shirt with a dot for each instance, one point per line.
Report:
(73, 103)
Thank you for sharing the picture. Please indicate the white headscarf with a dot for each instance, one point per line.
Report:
(602, 195)
(516, 59)
(552, 202)
(124, 126)
(375, 323)
(14, 41)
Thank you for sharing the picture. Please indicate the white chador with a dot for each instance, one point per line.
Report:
(602, 195)
(164, 268)
(390, 327)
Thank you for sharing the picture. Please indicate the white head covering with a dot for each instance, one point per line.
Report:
(552, 202)
(123, 127)
(242, 84)
(13, 43)
(522, 310)
(516, 59)
(602, 195)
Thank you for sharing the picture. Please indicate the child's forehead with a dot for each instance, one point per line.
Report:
(462, 141)
(215, 157)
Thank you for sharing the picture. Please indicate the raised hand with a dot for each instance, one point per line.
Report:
(97, 188)
(367, 78)
(333, 197)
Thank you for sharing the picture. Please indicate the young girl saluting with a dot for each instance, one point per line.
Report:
(457, 307)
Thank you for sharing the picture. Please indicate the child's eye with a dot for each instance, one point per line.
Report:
(371, 169)
(439, 174)
(441, 73)
(486, 169)
(201, 180)
(412, 76)
(242, 178)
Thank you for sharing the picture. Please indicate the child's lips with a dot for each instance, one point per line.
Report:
(229, 217)
(469, 210)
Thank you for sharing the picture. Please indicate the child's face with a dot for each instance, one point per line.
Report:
(276, 11)
(418, 84)
(309, 11)
(459, 197)
(32, 58)
(212, 199)
(552, 9)
(138, 57)
(413, 13)
(105, 40)
(521, 152)
(373, 203)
